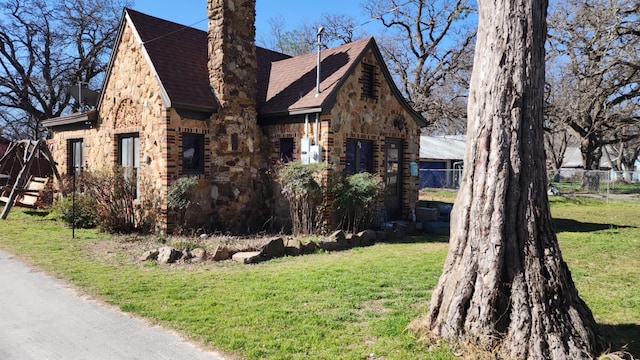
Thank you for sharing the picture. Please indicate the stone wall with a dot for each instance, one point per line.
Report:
(358, 117)
(355, 116)
(239, 163)
(131, 104)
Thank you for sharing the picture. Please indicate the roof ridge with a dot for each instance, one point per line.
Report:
(130, 10)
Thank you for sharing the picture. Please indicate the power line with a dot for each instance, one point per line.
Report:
(353, 28)
(376, 18)
(175, 31)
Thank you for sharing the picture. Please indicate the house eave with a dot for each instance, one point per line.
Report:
(195, 112)
(82, 119)
(313, 110)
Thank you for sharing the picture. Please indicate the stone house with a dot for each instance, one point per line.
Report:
(177, 101)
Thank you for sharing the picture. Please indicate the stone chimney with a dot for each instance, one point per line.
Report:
(238, 162)
(232, 53)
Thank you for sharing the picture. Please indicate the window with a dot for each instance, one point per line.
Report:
(368, 81)
(74, 156)
(192, 153)
(129, 156)
(286, 150)
(359, 157)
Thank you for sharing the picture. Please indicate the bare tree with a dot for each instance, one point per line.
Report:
(429, 46)
(505, 286)
(595, 60)
(338, 29)
(557, 136)
(47, 47)
(626, 153)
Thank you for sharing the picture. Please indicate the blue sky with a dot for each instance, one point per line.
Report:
(295, 12)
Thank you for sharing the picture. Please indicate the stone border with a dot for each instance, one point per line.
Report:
(274, 247)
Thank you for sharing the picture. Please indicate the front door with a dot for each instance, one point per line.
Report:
(393, 178)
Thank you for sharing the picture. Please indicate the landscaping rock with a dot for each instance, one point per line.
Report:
(186, 255)
(339, 237)
(167, 255)
(293, 247)
(274, 248)
(308, 247)
(221, 253)
(249, 257)
(149, 255)
(400, 231)
(353, 240)
(198, 255)
(328, 244)
(368, 237)
(382, 236)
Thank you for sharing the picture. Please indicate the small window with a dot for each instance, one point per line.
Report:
(129, 157)
(368, 81)
(192, 153)
(75, 156)
(286, 150)
(359, 156)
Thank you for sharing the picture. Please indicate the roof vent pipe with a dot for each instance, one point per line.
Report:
(320, 31)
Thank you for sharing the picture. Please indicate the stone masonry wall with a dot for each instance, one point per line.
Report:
(131, 105)
(238, 163)
(354, 116)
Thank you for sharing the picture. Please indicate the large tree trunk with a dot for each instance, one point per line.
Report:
(505, 286)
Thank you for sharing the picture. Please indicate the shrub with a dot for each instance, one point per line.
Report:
(304, 193)
(180, 196)
(114, 191)
(84, 211)
(106, 198)
(355, 198)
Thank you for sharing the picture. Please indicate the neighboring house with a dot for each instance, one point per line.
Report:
(572, 164)
(177, 102)
(441, 160)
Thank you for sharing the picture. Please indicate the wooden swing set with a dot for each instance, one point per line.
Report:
(24, 182)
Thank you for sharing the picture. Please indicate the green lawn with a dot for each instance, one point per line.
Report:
(342, 305)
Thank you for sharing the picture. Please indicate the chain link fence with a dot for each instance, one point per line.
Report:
(599, 183)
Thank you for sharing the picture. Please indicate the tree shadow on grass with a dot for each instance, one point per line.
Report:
(420, 237)
(623, 338)
(570, 225)
(38, 213)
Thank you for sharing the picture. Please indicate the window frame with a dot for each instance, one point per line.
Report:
(133, 163)
(73, 165)
(290, 145)
(187, 139)
(359, 156)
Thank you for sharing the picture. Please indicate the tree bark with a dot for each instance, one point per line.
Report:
(505, 286)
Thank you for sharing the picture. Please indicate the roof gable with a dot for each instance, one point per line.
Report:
(292, 82)
(178, 54)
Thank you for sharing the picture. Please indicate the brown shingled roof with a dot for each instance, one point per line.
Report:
(285, 84)
(292, 83)
(179, 56)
